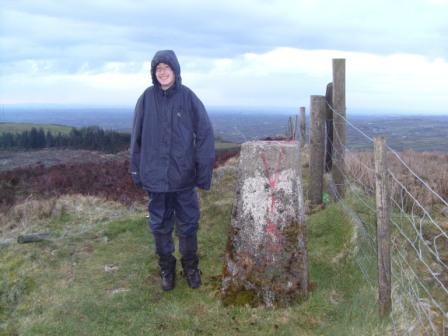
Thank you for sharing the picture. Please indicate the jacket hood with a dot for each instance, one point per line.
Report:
(167, 57)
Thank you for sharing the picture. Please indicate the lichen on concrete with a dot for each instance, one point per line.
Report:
(266, 253)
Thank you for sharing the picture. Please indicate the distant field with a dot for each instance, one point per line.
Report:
(20, 127)
(224, 145)
(420, 133)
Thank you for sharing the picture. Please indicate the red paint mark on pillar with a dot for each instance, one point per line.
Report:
(275, 236)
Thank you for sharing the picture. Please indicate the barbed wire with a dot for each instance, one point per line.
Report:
(396, 154)
(412, 282)
(416, 176)
(410, 220)
(403, 282)
(353, 157)
(349, 123)
(398, 255)
(417, 203)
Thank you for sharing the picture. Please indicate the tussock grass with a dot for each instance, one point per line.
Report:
(65, 215)
(104, 281)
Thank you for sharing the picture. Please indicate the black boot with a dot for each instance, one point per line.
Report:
(167, 262)
(193, 277)
(188, 246)
(167, 272)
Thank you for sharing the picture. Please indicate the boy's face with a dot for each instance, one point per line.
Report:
(165, 76)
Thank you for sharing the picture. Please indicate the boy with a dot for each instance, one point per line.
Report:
(172, 153)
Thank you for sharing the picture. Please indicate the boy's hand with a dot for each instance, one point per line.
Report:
(136, 179)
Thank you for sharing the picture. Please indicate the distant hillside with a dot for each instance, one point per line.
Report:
(20, 127)
(28, 137)
(421, 132)
(418, 132)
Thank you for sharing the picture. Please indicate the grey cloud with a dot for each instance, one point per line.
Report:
(96, 32)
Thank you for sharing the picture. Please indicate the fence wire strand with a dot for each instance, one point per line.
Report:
(419, 243)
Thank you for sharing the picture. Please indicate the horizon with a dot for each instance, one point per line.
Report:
(404, 131)
(281, 110)
(257, 53)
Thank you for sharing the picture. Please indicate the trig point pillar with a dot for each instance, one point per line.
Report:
(266, 260)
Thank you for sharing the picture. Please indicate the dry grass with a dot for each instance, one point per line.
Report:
(416, 213)
(430, 167)
(83, 212)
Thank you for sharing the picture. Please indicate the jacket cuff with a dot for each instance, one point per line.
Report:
(204, 176)
(204, 186)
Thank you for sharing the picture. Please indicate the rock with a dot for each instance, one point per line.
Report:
(119, 290)
(111, 268)
(33, 238)
(6, 242)
(266, 257)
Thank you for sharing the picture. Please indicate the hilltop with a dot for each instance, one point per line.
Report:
(98, 273)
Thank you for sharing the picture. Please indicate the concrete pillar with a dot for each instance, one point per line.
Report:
(266, 260)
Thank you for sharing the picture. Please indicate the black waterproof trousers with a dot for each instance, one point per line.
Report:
(178, 210)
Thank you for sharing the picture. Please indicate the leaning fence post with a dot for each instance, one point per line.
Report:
(383, 231)
(317, 148)
(302, 126)
(339, 122)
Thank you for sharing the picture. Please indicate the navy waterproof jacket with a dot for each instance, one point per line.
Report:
(172, 142)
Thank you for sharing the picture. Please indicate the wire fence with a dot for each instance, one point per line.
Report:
(419, 238)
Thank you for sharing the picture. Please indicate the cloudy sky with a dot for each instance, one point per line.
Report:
(255, 53)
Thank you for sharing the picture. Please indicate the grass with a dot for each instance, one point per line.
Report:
(226, 145)
(430, 167)
(21, 127)
(62, 286)
(416, 294)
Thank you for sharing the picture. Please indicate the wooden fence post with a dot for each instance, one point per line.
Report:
(339, 122)
(292, 127)
(383, 231)
(317, 148)
(329, 128)
(302, 126)
(296, 129)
